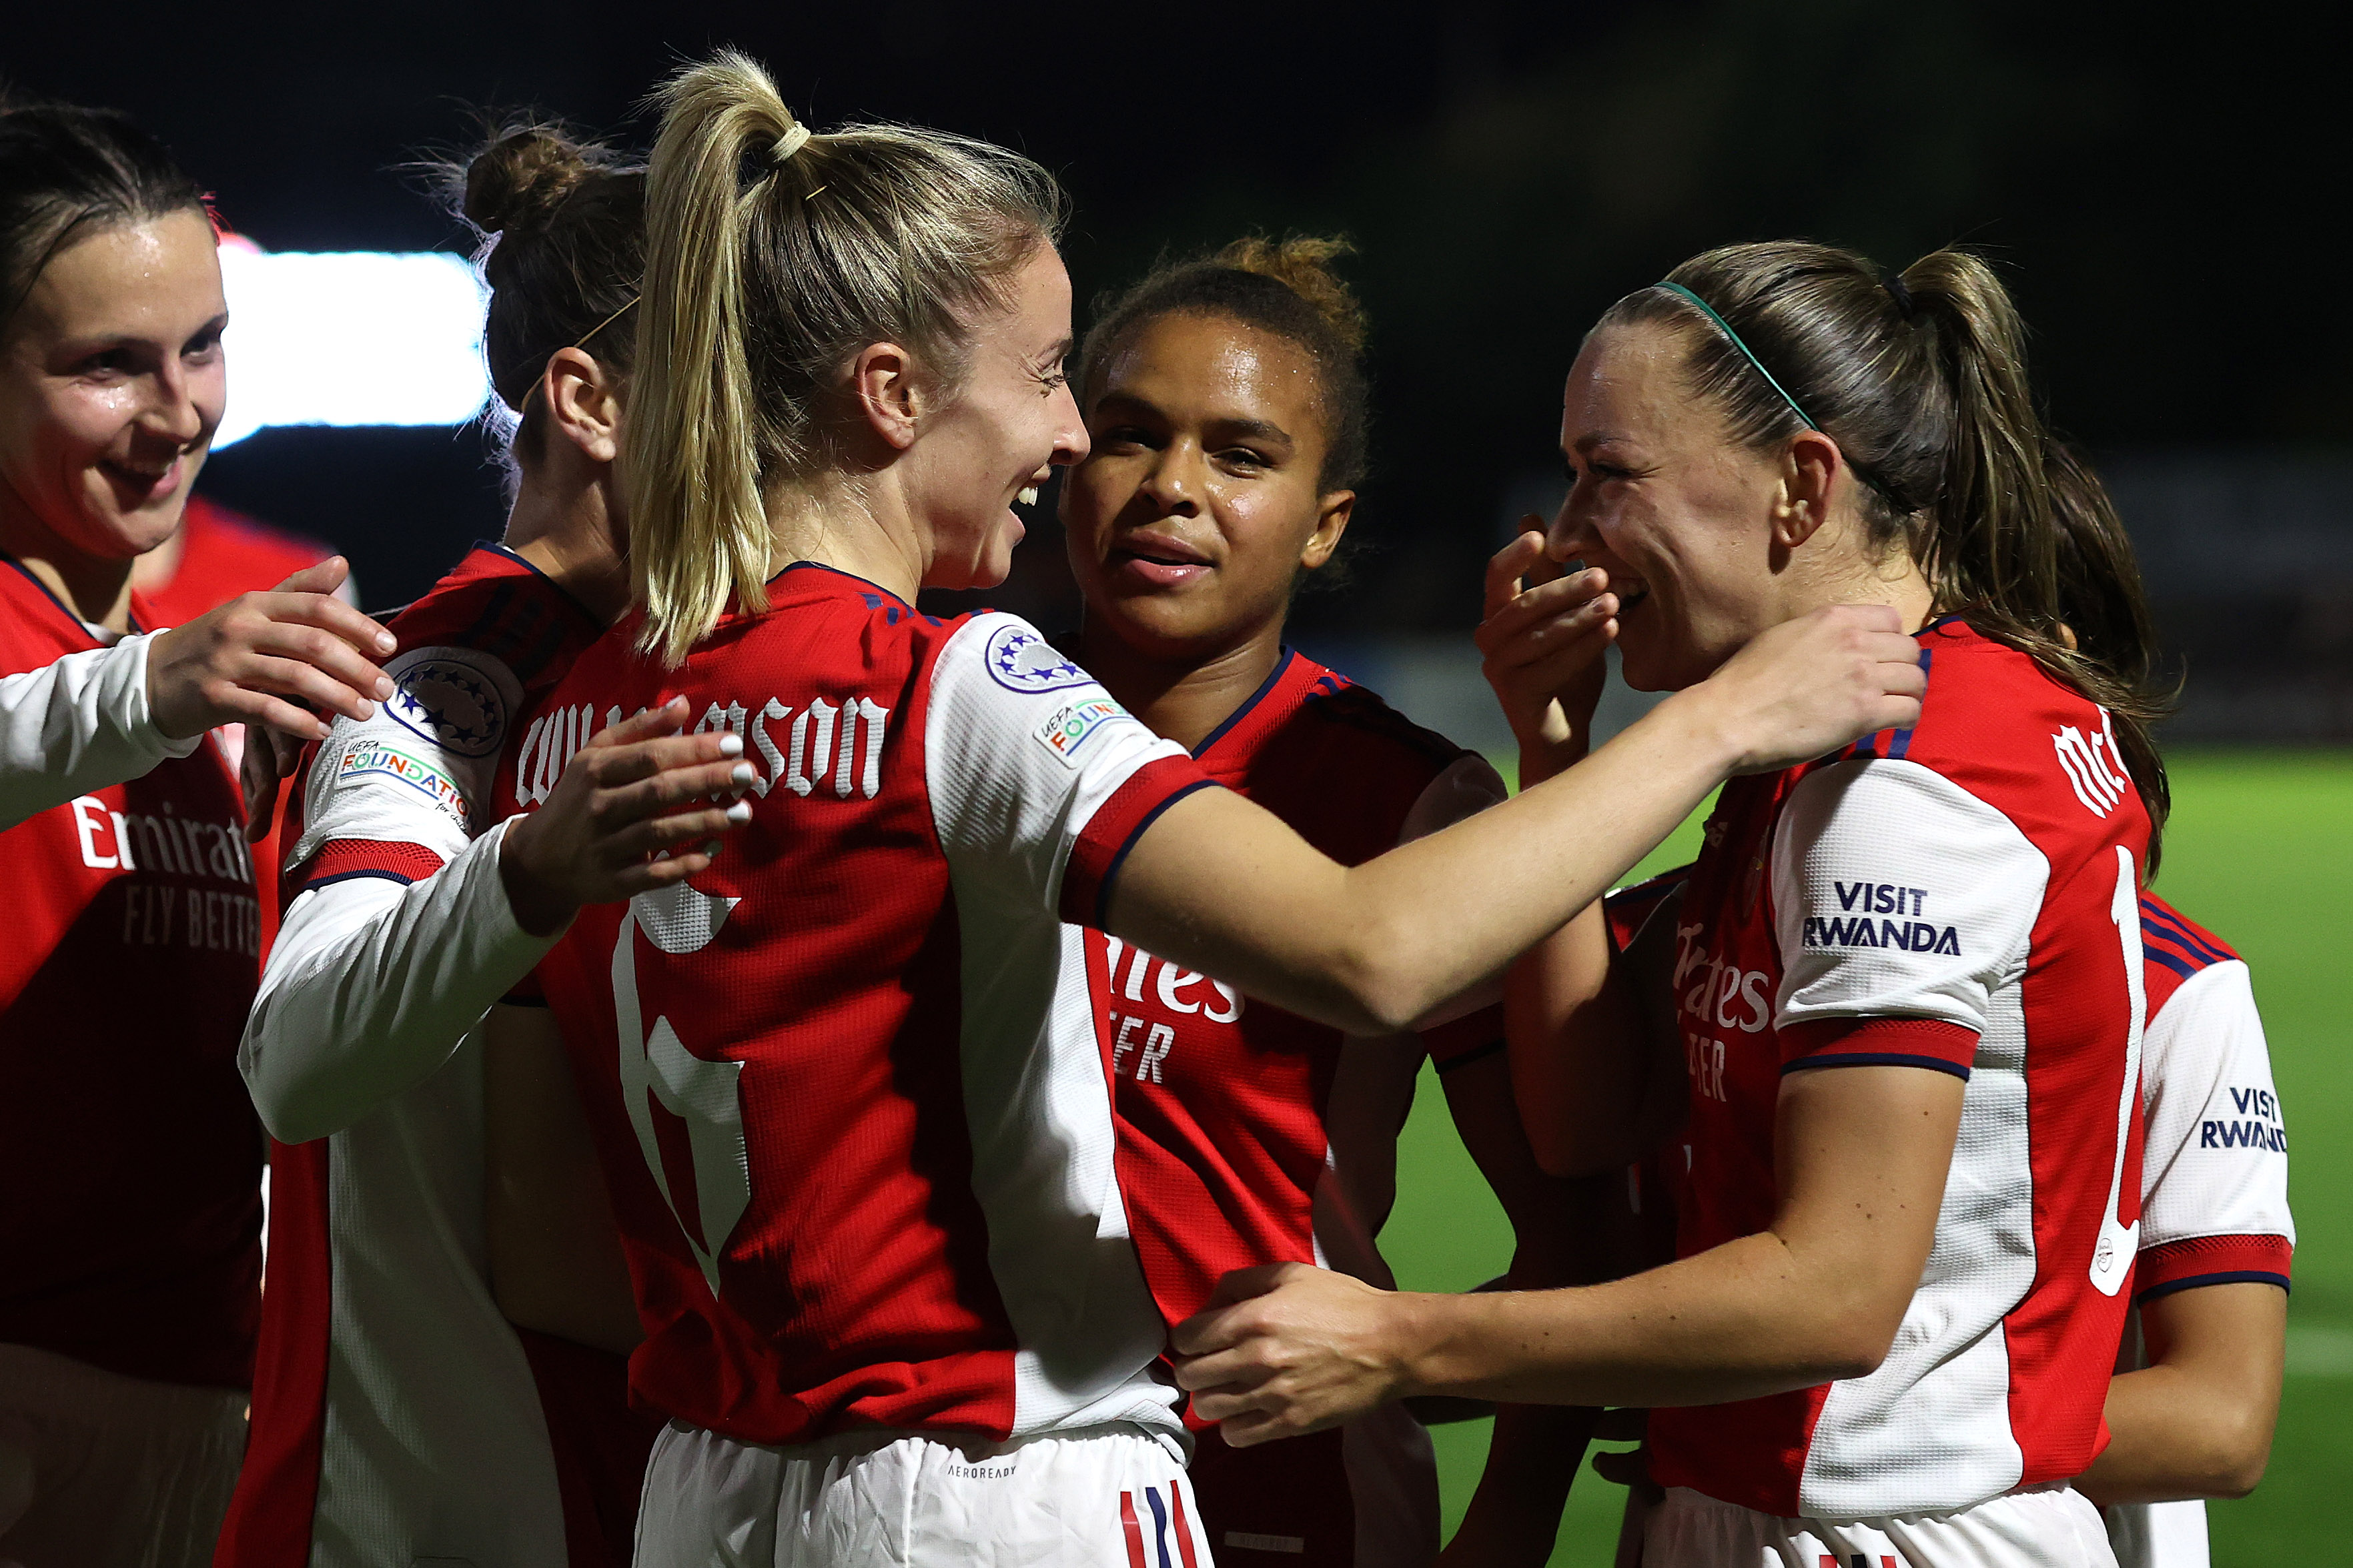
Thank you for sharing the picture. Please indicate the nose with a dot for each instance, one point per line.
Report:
(173, 412)
(1070, 442)
(1571, 534)
(1174, 484)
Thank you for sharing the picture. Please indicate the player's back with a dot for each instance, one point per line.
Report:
(1959, 897)
(859, 1138)
(127, 1149)
(393, 1406)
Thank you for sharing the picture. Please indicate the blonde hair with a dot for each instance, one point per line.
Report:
(772, 258)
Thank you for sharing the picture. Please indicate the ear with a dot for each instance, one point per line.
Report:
(1810, 470)
(1333, 511)
(882, 380)
(584, 400)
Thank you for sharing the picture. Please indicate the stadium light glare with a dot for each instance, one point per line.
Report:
(347, 338)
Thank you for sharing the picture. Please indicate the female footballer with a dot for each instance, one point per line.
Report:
(398, 1407)
(1227, 411)
(1908, 976)
(127, 1147)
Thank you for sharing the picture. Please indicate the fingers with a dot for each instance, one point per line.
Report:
(317, 607)
(1545, 603)
(667, 719)
(257, 777)
(611, 767)
(262, 675)
(1245, 1284)
(1509, 564)
(621, 851)
(265, 715)
(321, 577)
(1523, 632)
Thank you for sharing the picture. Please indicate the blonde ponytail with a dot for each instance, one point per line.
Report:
(691, 467)
(772, 258)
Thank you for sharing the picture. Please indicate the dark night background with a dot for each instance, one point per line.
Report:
(2159, 188)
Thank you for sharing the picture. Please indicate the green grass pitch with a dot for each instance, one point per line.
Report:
(2260, 847)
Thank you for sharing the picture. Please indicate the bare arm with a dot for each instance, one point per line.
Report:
(2197, 1421)
(1816, 1297)
(1584, 1070)
(555, 1256)
(1597, 1070)
(1223, 886)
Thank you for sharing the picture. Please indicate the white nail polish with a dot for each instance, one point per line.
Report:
(731, 745)
(739, 813)
(743, 776)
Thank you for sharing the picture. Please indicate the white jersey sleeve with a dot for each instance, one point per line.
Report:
(1897, 894)
(371, 985)
(1024, 753)
(79, 724)
(2214, 1175)
(419, 769)
(389, 958)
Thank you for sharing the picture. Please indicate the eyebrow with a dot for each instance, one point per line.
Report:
(1585, 443)
(1060, 350)
(1254, 429)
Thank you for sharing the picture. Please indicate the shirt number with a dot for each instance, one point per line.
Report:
(656, 1067)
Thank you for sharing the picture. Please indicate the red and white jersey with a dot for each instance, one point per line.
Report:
(398, 1415)
(1961, 896)
(1227, 1151)
(845, 1087)
(2214, 1181)
(129, 1153)
(1251, 1135)
(2214, 1178)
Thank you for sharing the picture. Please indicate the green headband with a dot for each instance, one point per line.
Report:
(1750, 354)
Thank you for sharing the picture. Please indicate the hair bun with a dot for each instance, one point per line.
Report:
(516, 185)
(1302, 263)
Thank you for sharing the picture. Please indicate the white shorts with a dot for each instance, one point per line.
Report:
(1093, 1499)
(2158, 1534)
(99, 1470)
(2048, 1526)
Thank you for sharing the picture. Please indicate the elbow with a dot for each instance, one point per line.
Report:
(2243, 1477)
(1384, 985)
(2242, 1452)
(288, 1113)
(1854, 1343)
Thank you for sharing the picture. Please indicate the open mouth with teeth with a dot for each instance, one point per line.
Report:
(139, 485)
(1026, 494)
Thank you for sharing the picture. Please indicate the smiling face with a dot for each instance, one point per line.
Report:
(1663, 500)
(1202, 500)
(1010, 425)
(111, 384)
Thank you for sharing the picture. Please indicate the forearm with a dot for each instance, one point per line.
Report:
(1371, 949)
(1580, 1063)
(372, 986)
(1738, 1321)
(77, 725)
(2169, 1440)
(2198, 1421)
